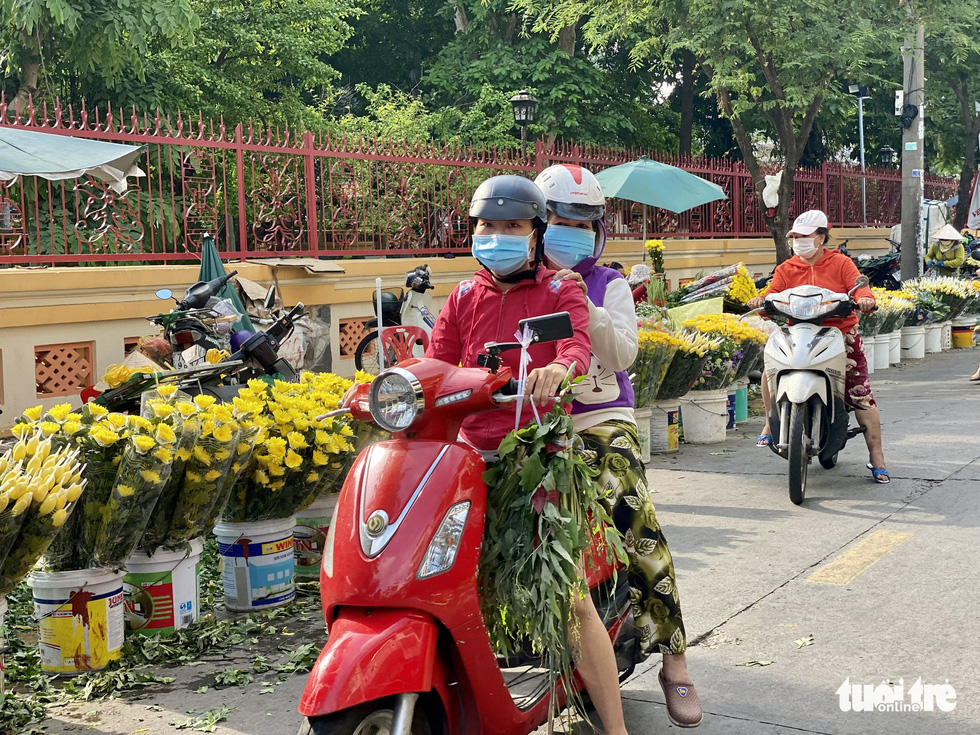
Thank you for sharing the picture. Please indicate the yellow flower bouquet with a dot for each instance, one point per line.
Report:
(144, 468)
(655, 248)
(654, 354)
(745, 343)
(301, 457)
(693, 352)
(39, 488)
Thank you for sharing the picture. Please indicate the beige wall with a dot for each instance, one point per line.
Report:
(108, 305)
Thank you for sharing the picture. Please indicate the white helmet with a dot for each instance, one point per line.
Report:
(572, 192)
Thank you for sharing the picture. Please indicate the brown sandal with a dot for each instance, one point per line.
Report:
(683, 703)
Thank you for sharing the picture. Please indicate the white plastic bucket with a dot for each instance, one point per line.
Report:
(257, 563)
(642, 416)
(665, 426)
(895, 347)
(913, 343)
(705, 416)
(882, 350)
(947, 335)
(310, 535)
(934, 338)
(163, 590)
(869, 352)
(79, 619)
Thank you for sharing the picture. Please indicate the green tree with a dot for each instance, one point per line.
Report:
(42, 40)
(263, 60)
(953, 61)
(779, 58)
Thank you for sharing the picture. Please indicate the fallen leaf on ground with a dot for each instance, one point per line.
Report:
(756, 663)
(803, 642)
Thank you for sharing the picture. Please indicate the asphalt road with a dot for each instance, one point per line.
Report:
(900, 607)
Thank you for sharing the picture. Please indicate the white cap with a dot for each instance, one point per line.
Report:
(808, 222)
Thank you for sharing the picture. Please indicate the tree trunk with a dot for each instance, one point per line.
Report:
(688, 71)
(966, 174)
(28, 80)
(566, 39)
(460, 18)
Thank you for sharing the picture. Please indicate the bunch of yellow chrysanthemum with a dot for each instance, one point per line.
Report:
(39, 487)
(742, 288)
(726, 325)
(301, 454)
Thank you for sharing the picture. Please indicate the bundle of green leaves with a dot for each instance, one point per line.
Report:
(543, 509)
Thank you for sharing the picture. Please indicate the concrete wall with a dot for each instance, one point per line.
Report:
(107, 306)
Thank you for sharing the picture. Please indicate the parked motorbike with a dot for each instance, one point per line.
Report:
(805, 369)
(256, 356)
(883, 272)
(398, 309)
(408, 652)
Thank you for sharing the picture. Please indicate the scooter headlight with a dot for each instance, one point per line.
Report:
(442, 551)
(804, 308)
(396, 399)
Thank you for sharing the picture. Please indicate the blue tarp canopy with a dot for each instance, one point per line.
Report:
(56, 157)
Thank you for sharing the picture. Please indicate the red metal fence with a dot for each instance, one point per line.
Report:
(267, 193)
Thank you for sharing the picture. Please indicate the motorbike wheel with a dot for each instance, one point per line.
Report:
(370, 718)
(366, 355)
(799, 452)
(828, 463)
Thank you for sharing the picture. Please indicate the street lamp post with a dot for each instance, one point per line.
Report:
(862, 94)
(524, 105)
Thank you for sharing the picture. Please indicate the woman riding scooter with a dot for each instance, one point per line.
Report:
(813, 264)
(603, 415)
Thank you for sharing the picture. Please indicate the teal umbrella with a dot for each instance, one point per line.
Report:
(658, 185)
(211, 268)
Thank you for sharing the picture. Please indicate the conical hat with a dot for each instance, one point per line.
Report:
(947, 232)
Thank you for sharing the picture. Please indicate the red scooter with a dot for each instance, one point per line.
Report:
(408, 652)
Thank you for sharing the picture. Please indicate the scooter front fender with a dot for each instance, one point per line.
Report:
(798, 386)
(371, 654)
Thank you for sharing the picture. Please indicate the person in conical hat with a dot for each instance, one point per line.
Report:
(946, 254)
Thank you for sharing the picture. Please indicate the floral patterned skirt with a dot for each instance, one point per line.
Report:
(613, 449)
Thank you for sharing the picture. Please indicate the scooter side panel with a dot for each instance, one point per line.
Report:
(371, 655)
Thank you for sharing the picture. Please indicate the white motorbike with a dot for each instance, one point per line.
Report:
(805, 370)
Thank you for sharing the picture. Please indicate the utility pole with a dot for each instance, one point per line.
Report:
(913, 167)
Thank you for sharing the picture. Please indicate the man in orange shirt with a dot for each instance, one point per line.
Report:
(816, 265)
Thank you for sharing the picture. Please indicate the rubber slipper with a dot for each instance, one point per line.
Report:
(880, 476)
(764, 440)
(975, 380)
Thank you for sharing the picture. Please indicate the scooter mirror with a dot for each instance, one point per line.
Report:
(165, 294)
(550, 327)
(270, 298)
(861, 281)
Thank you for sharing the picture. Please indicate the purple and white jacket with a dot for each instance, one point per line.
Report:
(606, 393)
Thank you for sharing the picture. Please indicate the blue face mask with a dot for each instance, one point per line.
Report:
(566, 246)
(502, 255)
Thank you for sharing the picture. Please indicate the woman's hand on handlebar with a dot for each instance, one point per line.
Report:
(543, 383)
(866, 304)
(757, 302)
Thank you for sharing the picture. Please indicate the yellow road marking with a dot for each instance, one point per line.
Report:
(851, 563)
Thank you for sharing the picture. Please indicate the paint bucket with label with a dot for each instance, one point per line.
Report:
(642, 417)
(947, 335)
(79, 619)
(934, 338)
(257, 563)
(963, 331)
(310, 534)
(705, 416)
(664, 428)
(163, 589)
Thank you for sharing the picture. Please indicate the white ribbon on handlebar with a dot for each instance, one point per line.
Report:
(525, 339)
